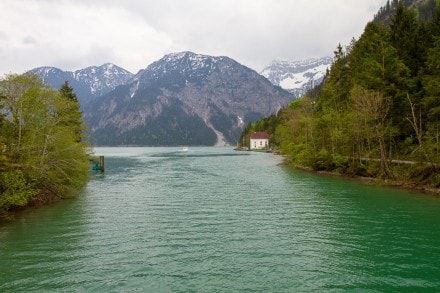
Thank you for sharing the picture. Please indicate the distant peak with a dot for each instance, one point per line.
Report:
(297, 76)
(46, 68)
(107, 65)
(300, 62)
(184, 61)
(190, 55)
(180, 55)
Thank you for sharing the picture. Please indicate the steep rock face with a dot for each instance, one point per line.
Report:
(184, 99)
(88, 83)
(298, 76)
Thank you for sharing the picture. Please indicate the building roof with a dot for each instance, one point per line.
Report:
(259, 135)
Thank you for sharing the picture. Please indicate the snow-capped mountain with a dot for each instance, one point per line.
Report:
(102, 79)
(88, 83)
(298, 76)
(184, 99)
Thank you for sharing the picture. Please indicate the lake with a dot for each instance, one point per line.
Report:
(210, 219)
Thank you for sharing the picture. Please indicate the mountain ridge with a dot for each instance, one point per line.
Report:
(184, 94)
(88, 83)
(297, 77)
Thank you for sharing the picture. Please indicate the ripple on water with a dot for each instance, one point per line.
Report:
(211, 220)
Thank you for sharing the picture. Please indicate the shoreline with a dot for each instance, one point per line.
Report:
(39, 201)
(396, 184)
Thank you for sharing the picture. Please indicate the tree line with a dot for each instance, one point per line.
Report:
(424, 10)
(43, 148)
(377, 113)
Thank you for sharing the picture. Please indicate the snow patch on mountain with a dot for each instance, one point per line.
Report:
(88, 83)
(102, 78)
(297, 76)
(184, 99)
(186, 64)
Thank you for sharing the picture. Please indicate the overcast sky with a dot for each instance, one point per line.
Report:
(74, 34)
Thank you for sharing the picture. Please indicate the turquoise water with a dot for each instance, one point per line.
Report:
(215, 220)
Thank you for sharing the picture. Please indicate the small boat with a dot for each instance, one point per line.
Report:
(185, 149)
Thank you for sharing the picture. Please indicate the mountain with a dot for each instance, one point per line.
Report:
(184, 99)
(89, 83)
(298, 76)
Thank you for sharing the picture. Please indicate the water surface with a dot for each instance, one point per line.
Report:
(215, 220)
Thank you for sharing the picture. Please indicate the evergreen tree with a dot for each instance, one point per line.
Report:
(432, 82)
(427, 11)
(73, 113)
(404, 30)
(379, 102)
(376, 66)
(67, 91)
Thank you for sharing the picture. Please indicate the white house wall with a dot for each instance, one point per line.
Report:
(259, 144)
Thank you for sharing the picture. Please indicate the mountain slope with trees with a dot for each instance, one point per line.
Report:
(423, 9)
(43, 150)
(184, 99)
(377, 113)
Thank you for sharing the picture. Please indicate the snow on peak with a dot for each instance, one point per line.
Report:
(188, 64)
(297, 76)
(195, 59)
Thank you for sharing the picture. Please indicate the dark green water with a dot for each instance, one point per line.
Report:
(215, 220)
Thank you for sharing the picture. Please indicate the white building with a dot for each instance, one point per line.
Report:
(259, 141)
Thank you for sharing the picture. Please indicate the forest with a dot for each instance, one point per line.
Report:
(43, 148)
(377, 113)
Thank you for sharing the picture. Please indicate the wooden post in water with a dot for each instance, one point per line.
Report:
(101, 163)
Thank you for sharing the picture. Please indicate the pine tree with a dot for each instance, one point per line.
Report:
(432, 82)
(67, 91)
(404, 30)
(73, 111)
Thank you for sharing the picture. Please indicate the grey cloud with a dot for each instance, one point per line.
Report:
(29, 40)
(134, 33)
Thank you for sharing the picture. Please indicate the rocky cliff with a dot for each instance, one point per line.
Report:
(184, 99)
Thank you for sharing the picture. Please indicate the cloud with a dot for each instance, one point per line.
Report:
(29, 40)
(74, 34)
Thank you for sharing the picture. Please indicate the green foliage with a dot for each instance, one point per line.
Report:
(71, 113)
(16, 191)
(423, 10)
(67, 92)
(432, 78)
(268, 125)
(378, 111)
(404, 29)
(323, 161)
(43, 147)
